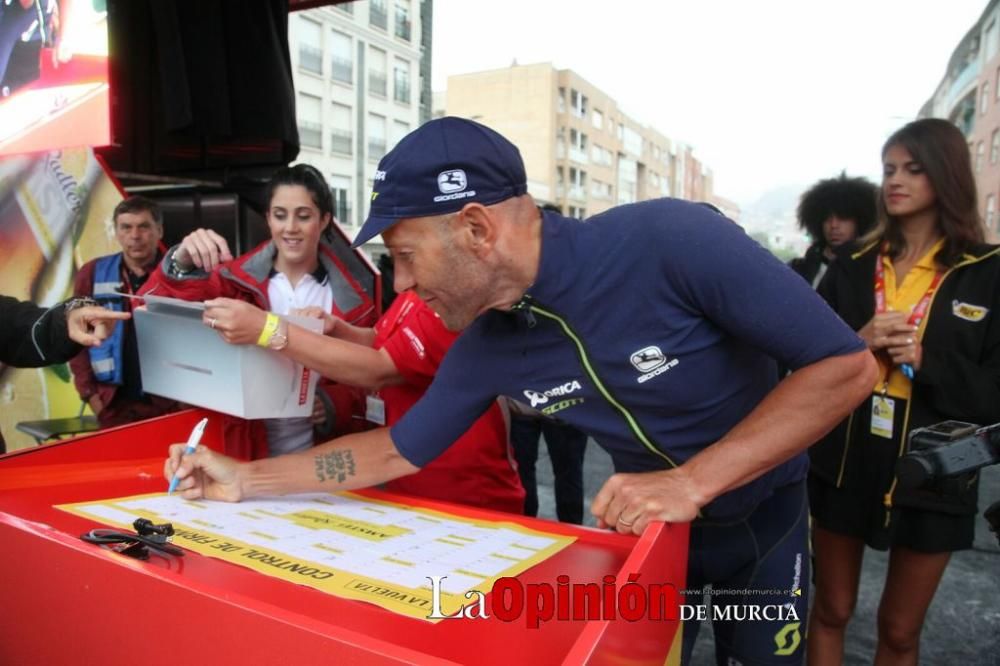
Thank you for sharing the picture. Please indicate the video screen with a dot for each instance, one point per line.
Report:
(53, 75)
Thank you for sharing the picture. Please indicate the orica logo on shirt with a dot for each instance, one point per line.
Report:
(541, 397)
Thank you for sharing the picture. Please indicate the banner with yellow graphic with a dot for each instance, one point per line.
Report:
(55, 215)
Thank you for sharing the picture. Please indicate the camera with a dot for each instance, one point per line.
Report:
(948, 449)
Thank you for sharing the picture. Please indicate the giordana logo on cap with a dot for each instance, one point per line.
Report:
(452, 184)
(453, 180)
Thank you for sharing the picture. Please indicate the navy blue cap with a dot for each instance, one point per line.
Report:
(438, 168)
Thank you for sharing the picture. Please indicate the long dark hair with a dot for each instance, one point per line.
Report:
(308, 177)
(940, 149)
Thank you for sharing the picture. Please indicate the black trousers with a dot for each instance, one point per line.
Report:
(566, 447)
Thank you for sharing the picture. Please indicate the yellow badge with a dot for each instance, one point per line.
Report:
(968, 311)
(882, 411)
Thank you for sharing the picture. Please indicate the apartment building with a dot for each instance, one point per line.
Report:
(361, 84)
(969, 96)
(581, 152)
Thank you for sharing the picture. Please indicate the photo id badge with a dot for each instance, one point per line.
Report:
(375, 409)
(883, 410)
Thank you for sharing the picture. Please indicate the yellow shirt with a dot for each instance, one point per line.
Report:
(903, 298)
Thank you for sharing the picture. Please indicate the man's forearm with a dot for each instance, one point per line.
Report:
(341, 361)
(359, 335)
(804, 407)
(355, 461)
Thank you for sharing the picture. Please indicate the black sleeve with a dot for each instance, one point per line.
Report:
(31, 336)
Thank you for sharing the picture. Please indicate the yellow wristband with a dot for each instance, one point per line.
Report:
(270, 326)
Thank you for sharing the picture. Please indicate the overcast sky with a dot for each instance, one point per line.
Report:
(769, 92)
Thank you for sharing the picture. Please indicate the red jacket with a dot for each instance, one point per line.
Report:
(478, 469)
(245, 278)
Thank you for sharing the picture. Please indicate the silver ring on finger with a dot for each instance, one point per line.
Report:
(626, 523)
(212, 322)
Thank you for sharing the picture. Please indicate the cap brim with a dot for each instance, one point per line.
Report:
(372, 227)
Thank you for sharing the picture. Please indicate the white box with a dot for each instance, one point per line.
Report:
(182, 358)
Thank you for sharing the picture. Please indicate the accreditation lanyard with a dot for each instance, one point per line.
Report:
(919, 310)
(374, 403)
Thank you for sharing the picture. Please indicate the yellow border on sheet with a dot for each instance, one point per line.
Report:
(416, 603)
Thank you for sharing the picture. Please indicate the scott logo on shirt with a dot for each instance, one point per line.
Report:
(541, 397)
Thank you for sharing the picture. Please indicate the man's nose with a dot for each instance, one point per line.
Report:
(402, 279)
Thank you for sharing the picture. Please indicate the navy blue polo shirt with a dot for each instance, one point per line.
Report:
(653, 327)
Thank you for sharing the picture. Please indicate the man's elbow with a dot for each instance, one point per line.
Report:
(859, 372)
(396, 465)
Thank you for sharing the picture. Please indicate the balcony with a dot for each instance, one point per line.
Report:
(310, 134)
(403, 27)
(311, 59)
(401, 92)
(377, 16)
(377, 83)
(342, 142)
(376, 149)
(341, 69)
(577, 192)
(967, 77)
(578, 155)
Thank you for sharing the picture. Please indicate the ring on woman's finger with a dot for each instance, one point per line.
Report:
(626, 523)
(212, 322)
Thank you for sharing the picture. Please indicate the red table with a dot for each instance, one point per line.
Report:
(66, 601)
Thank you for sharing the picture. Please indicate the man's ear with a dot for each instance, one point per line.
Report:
(478, 225)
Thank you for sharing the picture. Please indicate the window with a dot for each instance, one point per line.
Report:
(600, 190)
(340, 188)
(341, 136)
(578, 102)
(346, 7)
(310, 115)
(401, 81)
(399, 130)
(310, 46)
(562, 98)
(376, 137)
(378, 16)
(997, 86)
(341, 62)
(376, 72)
(597, 119)
(577, 183)
(990, 38)
(403, 19)
(984, 97)
(991, 211)
(577, 212)
(980, 152)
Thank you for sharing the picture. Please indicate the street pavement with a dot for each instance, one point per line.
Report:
(963, 623)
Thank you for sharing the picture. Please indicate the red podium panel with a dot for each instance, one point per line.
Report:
(67, 601)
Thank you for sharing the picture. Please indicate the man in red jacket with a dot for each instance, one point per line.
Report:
(107, 376)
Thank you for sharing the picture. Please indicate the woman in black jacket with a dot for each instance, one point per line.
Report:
(922, 290)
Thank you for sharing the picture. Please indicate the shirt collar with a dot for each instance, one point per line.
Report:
(556, 266)
(320, 274)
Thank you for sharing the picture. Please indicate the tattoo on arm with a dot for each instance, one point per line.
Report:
(336, 465)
